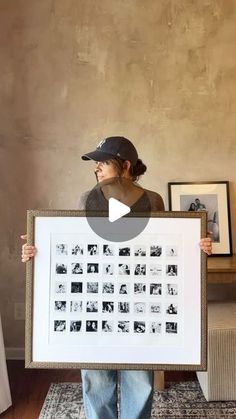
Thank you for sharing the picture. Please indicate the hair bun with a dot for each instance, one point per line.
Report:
(139, 169)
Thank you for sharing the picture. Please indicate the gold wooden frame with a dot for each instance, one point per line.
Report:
(29, 332)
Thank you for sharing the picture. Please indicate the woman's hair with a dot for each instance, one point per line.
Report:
(135, 171)
(138, 170)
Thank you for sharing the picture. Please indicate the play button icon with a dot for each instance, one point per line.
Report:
(117, 210)
(113, 209)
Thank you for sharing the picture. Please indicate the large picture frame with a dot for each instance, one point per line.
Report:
(212, 197)
(140, 304)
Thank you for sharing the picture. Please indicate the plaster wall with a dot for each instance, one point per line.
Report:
(162, 73)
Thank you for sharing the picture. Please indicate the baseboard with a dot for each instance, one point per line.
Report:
(15, 353)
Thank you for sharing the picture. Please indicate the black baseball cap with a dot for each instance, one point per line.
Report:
(111, 147)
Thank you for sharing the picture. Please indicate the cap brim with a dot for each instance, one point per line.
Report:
(97, 156)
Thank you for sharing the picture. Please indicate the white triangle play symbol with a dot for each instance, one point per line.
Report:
(117, 209)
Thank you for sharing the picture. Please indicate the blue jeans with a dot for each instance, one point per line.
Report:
(100, 394)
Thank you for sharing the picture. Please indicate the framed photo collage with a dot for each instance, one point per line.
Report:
(96, 293)
(136, 303)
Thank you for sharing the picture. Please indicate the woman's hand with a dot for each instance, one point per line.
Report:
(206, 245)
(27, 251)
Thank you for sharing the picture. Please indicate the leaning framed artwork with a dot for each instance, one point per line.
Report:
(136, 304)
(211, 197)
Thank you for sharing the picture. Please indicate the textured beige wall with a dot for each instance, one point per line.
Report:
(162, 72)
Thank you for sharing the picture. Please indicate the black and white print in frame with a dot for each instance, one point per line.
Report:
(212, 197)
(86, 296)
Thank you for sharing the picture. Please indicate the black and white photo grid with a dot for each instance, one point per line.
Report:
(99, 288)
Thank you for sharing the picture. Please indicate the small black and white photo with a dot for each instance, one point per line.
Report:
(171, 251)
(108, 250)
(92, 306)
(108, 287)
(171, 327)
(155, 250)
(91, 326)
(77, 268)
(107, 326)
(171, 270)
(171, 289)
(75, 325)
(92, 287)
(123, 307)
(155, 308)
(123, 326)
(93, 250)
(77, 249)
(76, 287)
(108, 269)
(124, 269)
(155, 289)
(76, 306)
(60, 306)
(139, 327)
(140, 269)
(59, 325)
(108, 306)
(123, 288)
(61, 249)
(61, 268)
(124, 251)
(171, 309)
(60, 287)
(155, 327)
(155, 270)
(139, 307)
(139, 288)
(92, 268)
(139, 250)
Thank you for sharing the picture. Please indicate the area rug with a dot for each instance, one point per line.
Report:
(177, 401)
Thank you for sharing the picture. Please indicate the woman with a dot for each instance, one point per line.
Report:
(117, 168)
(192, 207)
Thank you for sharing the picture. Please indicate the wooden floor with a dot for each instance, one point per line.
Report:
(30, 386)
